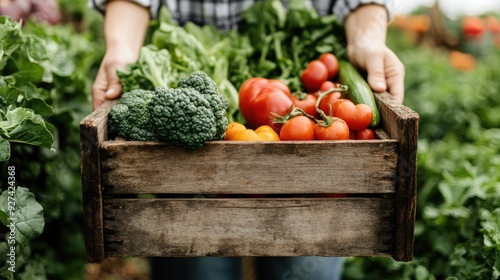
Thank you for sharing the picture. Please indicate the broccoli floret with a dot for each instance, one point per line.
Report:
(130, 117)
(186, 116)
(200, 81)
(183, 117)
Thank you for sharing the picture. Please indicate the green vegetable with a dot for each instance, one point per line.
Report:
(152, 69)
(186, 116)
(201, 82)
(358, 89)
(284, 39)
(130, 118)
(183, 117)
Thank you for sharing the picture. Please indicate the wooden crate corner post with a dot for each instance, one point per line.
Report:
(401, 123)
(93, 131)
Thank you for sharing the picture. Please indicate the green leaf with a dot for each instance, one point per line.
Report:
(39, 106)
(155, 65)
(32, 132)
(8, 91)
(29, 215)
(24, 126)
(10, 38)
(4, 218)
(4, 149)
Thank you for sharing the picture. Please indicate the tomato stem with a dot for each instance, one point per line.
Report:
(321, 94)
(292, 112)
(296, 111)
(341, 88)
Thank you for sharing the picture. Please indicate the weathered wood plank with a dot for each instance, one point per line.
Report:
(93, 132)
(249, 227)
(401, 123)
(250, 167)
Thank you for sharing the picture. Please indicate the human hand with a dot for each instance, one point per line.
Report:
(366, 31)
(107, 84)
(385, 70)
(125, 27)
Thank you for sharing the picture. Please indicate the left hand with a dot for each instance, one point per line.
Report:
(366, 29)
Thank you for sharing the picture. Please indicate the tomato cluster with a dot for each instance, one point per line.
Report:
(346, 121)
(319, 113)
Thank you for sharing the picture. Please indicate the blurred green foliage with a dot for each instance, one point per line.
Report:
(53, 175)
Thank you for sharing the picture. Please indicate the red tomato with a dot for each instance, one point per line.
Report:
(270, 100)
(473, 25)
(365, 134)
(328, 85)
(336, 129)
(324, 87)
(247, 93)
(328, 100)
(306, 102)
(314, 75)
(332, 64)
(259, 97)
(336, 104)
(326, 103)
(352, 134)
(279, 84)
(357, 116)
(298, 128)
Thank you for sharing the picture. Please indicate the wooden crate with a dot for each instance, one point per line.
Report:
(375, 219)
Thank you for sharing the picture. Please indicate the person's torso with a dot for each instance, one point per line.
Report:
(225, 14)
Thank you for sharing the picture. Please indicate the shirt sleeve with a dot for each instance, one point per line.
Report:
(152, 5)
(342, 8)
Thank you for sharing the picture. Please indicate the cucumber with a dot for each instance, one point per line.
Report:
(358, 89)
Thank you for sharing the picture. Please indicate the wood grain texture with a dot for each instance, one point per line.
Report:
(401, 123)
(250, 167)
(357, 226)
(249, 227)
(93, 132)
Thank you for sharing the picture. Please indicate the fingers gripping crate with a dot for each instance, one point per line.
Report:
(376, 218)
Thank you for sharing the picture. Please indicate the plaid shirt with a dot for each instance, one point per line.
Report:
(225, 14)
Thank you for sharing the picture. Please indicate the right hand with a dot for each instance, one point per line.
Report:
(107, 84)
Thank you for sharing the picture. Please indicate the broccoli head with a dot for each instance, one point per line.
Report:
(186, 116)
(201, 82)
(130, 117)
(183, 117)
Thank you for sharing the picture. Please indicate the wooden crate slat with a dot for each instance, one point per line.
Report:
(93, 131)
(250, 167)
(246, 227)
(401, 123)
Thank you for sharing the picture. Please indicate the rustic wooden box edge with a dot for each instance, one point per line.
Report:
(400, 122)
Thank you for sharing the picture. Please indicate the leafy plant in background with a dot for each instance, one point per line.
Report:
(45, 75)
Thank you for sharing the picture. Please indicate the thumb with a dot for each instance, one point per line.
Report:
(114, 86)
(113, 92)
(376, 73)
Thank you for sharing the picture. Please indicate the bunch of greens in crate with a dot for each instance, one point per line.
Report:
(46, 74)
(271, 41)
(284, 40)
(175, 52)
